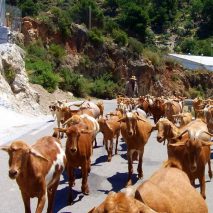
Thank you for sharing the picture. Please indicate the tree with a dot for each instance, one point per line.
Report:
(163, 13)
(80, 13)
(135, 19)
(29, 8)
(196, 9)
(206, 29)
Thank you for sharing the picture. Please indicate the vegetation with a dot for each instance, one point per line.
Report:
(10, 75)
(74, 83)
(42, 64)
(104, 87)
(141, 27)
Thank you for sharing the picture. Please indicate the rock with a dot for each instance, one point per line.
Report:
(16, 91)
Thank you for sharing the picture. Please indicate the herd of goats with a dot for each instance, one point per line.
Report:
(187, 130)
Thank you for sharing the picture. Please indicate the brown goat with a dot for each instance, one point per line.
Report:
(121, 203)
(37, 170)
(78, 152)
(110, 129)
(193, 151)
(136, 132)
(169, 190)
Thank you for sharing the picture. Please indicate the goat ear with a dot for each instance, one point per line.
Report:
(121, 120)
(86, 131)
(37, 154)
(206, 143)
(92, 210)
(154, 127)
(178, 144)
(60, 130)
(5, 148)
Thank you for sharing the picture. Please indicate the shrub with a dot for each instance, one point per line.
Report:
(74, 83)
(10, 75)
(194, 92)
(57, 51)
(37, 50)
(170, 62)
(104, 88)
(120, 37)
(29, 8)
(155, 57)
(110, 25)
(40, 72)
(188, 46)
(135, 45)
(96, 37)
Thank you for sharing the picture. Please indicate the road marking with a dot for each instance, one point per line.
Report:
(40, 129)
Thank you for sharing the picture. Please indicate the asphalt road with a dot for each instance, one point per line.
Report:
(104, 176)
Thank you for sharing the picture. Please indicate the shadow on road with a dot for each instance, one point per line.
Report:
(61, 199)
(211, 155)
(118, 181)
(101, 159)
(123, 146)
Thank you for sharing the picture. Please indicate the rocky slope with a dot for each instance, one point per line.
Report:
(15, 90)
(90, 60)
(94, 60)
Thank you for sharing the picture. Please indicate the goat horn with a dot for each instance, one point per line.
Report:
(208, 133)
(78, 105)
(4, 148)
(140, 118)
(180, 135)
(60, 129)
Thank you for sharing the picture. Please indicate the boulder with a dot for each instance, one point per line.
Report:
(15, 89)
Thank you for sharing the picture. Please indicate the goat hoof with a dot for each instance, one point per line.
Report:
(109, 158)
(140, 175)
(86, 193)
(70, 200)
(85, 190)
(72, 184)
(210, 175)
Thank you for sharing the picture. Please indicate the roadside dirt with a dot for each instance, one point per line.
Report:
(47, 98)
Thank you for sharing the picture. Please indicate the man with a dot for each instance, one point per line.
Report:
(131, 89)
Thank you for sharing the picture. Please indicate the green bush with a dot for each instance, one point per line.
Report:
(56, 53)
(196, 47)
(120, 37)
(36, 50)
(74, 83)
(194, 92)
(110, 25)
(135, 45)
(170, 62)
(104, 88)
(40, 72)
(10, 75)
(155, 57)
(29, 8)
(80, 13)
(96, 37)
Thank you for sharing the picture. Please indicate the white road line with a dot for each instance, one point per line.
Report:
(40, 129)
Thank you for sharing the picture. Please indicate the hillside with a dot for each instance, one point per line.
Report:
(95, 58)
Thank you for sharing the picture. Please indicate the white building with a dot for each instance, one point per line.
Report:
(193, 62)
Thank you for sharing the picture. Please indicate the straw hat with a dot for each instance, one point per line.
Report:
(133, 78)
